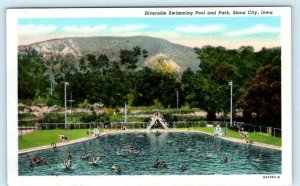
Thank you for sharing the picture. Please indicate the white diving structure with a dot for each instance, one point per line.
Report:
(156, 120)
(218, 131)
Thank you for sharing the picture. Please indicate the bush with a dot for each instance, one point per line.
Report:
(108, 111)
(117, 117)
(53, 118)
(158, 104)
(169, 117)
(191, 118)
(84, 104)
(26, 116)
(89, 118)
(46, 100)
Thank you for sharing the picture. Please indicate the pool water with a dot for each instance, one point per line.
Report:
(199, 152)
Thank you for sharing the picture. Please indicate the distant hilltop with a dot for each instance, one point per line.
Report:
(181, 57)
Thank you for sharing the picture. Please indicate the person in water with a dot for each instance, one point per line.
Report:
(94, 160)
(159, 163)
(85, 155)
(117, 168)
(68, 164)
(35, 160)
(224, 159)
(182, 149)
(70, 155)
(183, 167)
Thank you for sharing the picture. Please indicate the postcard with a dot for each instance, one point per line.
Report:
(148, 96)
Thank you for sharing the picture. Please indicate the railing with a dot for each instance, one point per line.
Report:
(276, 132)
(26, 129)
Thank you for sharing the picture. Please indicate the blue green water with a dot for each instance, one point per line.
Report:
(199, 152)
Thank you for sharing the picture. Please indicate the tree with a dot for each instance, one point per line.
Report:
(262, 103)
(129, 58)
(217, 69)
(32, 81)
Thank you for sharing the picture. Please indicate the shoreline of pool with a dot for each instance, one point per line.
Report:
(23, 151)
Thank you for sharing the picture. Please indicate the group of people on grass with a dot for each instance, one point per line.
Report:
(63, 137)
(219, 132)
(95, 132)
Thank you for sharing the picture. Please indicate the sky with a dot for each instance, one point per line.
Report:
(229, 32)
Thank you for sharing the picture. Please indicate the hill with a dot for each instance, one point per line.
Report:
(182, 56)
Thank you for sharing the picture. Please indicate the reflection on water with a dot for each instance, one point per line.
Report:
(136, 153)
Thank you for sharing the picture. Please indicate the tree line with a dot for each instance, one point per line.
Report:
(256, 78)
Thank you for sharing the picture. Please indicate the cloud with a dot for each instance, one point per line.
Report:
(200, 29)
(128, 28)
(256, 29)
(32, 30)
(84, 29)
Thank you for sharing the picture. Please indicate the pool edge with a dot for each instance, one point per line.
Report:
(23, 151)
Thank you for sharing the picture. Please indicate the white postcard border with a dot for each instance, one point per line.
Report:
(12, 141)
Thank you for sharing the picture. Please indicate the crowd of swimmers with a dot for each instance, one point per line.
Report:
(129, 148)
(68, 164)
(37, 161)
(85, 155)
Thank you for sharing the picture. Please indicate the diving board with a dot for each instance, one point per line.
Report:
(156, 120)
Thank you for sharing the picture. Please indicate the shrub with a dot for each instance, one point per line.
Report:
(191, 118)
(84, 104)
(109, 111)
(26, 116)
(53, 118)
(89, 118)
(170, 117)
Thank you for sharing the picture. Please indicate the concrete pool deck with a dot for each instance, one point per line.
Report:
(236, 140)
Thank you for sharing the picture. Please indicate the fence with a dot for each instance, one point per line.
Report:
(26, 129)
(276, 132)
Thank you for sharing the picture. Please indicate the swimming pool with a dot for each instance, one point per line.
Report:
(199, 152)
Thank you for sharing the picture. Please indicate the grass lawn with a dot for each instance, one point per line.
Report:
(254, 136)
(46, 137)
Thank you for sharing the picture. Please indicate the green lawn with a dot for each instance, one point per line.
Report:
(254, 136)
(46, 137)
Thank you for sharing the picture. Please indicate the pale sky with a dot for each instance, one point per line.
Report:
(230, 32)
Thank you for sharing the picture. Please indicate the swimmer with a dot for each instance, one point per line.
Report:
(117, 168)
(35, 160)
(68, 164)
(182, 149)
(85, 155)
(70, 155)
(183, 167)
(156, 162)
(45, 161)
(94, 160)
(259, 158)
(224, 159)
(160, 164)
